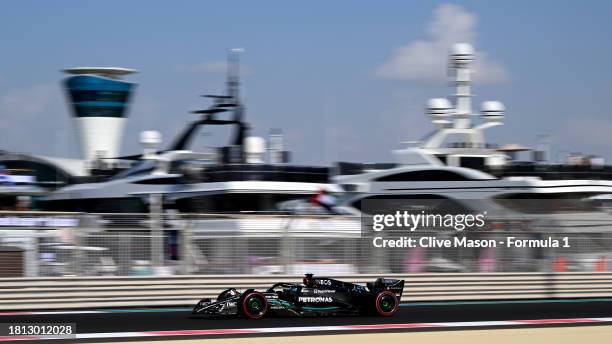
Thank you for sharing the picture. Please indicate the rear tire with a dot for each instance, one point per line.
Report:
(254, 305)
(386, 303)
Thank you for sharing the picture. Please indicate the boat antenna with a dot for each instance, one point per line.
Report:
(233, 91)
(222, 103)
(233, 74)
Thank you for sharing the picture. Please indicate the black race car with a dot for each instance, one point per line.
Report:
(316, 296)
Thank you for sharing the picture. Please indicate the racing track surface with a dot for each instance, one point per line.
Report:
(164, 320)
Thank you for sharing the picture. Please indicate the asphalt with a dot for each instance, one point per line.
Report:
(164, 320)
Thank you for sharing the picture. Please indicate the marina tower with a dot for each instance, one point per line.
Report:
(99, 100)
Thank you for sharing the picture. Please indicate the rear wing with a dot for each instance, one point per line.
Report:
(394, 285)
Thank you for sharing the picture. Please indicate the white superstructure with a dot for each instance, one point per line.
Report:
(455, 161)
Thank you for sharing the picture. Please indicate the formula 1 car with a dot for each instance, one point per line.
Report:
(317, 296)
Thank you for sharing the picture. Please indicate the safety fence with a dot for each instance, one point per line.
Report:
(71, 245)
(100, 292)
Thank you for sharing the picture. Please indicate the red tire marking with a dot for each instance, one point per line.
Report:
(380, 311)
(244, 306)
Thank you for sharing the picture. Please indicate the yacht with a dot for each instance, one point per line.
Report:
(236, 178)
(455, 162)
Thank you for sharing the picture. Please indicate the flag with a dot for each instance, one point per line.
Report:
(4, 176)
(325, 200)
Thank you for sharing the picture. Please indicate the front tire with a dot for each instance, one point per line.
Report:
(254, 305)
(386, 303)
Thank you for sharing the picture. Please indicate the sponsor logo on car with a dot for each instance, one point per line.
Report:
(323, 291)
(315, 299)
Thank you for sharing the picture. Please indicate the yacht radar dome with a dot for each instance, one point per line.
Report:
(149, 139)
(462, 53)
(439, 109)
(254, 148)
(492, 111)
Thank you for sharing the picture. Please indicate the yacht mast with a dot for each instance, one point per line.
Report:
(233, 74)
(462, 56)
(455, 119)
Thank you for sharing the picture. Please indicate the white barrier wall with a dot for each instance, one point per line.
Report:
(90, 292)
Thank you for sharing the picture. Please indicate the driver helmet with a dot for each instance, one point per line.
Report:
(228, 294)
(308, 280)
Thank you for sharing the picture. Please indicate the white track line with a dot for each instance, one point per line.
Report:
(49, 313)
(371, 327)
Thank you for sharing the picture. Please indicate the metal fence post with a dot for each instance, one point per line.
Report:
(78, 252)
(157, 238)
(184, 246)
(33, 270)
(285, 247)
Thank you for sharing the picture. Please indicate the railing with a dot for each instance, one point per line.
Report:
(215, 244)
(183, 291)
(140, 260)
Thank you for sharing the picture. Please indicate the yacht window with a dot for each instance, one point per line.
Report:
(547, 203)
(477, 163)
(99, 205)
(235, 203)
(422, 176)
(430, 202)
(442, 158)
(160, 181)
(141, 167)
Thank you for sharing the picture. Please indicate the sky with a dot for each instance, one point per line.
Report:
(344, 80)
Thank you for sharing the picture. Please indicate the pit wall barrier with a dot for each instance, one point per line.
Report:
(48, 293)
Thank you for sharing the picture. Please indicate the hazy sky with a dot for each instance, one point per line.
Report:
(345, 80)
